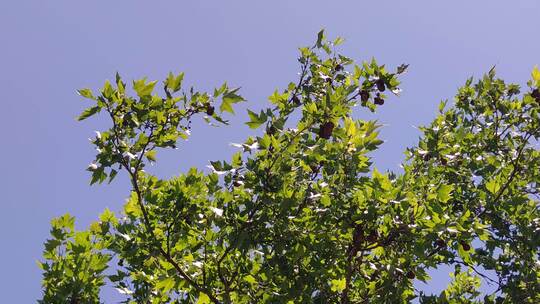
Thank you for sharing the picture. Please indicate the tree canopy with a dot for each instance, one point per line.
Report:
(299, 214)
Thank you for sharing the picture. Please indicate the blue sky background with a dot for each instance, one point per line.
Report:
(48, 49)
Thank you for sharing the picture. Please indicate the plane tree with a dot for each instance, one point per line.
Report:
(300, 214)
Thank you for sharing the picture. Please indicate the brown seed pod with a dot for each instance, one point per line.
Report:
(411, 275)
(296, 100)
(378, 100)
(535, 94)
(237, 183)
(465, 245)
(210, 110)
(380, 85)
(440, 243)
(325, 130)
(364, 95)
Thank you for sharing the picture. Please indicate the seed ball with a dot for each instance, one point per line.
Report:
(465, 246)
(378, 101)
(535, 94)
(210, 110)
(411, 275)
(440, 243)
(237, 183)
(325, 131)
(364, 95)
(380, 85)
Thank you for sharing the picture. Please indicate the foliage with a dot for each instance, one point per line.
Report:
(73, 273)
(299, 215)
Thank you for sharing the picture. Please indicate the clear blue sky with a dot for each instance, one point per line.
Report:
(48, 49)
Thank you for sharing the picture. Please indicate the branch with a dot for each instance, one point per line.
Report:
(515, 167)
(148, 225)
(476, 271)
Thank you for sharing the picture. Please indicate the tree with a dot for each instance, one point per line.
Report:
(299, 215)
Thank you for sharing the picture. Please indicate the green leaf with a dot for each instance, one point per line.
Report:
(151, 155)
(203, 299)
(98, 175)
(493, 186)
(250, 279)
(174, 83)
(166, 284)
(87, 93)
(88, 112)
(536, 76)
(277, 98)
(320, 38)
(229, 99)
(132, 208)
(311, 108)
(117, 78)
(226, 107)
(256, 120)
(465, 255)
(444, 192)
(112, 175)
(338, 285)
(338, 41)
(107, 216)
(221, 90)
(402, 68)
(107, 90)
(142, 88)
